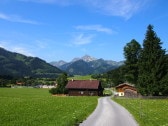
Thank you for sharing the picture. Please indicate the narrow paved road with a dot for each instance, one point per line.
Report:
(109, 113)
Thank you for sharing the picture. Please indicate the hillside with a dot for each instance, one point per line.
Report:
(18, 65)
(87, 65)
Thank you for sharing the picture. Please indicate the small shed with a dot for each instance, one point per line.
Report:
(84, 88)
(126, 89)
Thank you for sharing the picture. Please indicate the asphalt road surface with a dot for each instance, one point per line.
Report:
(109, 113)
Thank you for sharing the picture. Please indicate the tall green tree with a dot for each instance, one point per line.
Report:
(62, 82)
(164, 81)
(131, 53)
(152, 64)
(116, 76)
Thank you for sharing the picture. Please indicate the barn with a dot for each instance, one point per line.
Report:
(126, 90)
(84, 88)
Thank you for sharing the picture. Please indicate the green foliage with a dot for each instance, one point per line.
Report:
(164, 85)
(61, 83)
(147, 112)
(131, 52)
(96, 76)
(18, 65)
(36, 107)
(116, 76)
(56, 91)
(147, 68)
(6, 81)
(152, 64)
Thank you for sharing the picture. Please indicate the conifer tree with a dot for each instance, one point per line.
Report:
(131, 53)
(164, 81)
(152, 64)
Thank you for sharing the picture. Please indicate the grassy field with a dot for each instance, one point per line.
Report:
(78, 77)
(36, 107)
(147, 112)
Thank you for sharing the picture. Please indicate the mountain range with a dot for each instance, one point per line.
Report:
(86, 65)
(18, 65)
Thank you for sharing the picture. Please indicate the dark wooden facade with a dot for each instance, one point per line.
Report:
(84, 88)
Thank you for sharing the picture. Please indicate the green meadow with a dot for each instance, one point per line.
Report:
(147, 112)
(79, 77)
(36, 107)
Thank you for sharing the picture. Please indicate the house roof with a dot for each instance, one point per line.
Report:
(83, 84)
(130, 88)
(123, 85)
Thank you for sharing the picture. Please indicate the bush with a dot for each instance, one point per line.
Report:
(54, 91)
(57, 91)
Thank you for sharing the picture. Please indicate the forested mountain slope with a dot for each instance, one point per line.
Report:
(18, 65)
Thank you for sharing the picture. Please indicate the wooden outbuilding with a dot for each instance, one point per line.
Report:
(84, 88)
(126, 90)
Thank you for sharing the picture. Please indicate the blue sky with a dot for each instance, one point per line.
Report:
(63, 29)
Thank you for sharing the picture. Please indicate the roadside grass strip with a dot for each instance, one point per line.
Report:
(36, 107)
(147, 112)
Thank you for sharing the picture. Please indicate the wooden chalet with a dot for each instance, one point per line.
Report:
(20, 83)
(84, 88)
(126, 90)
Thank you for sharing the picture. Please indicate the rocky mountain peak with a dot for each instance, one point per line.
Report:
(85, 58)
(88, 65)
(88, 58)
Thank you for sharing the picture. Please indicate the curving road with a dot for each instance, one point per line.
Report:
(109, 113)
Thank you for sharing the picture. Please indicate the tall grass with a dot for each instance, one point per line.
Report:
(147, 112)
(36, 107)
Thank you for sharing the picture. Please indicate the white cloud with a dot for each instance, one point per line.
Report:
(15, 48)
(16, 18)
(97, 28)
(1, 44)
(22, 51)
(121, 8)
(4, 44)
(82, 39)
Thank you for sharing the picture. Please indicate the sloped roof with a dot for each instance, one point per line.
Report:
(123, 85)
(83, 84)
(131, 88)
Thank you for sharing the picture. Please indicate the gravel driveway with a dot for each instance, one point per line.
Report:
(109, 113)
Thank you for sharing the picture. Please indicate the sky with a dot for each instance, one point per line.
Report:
(56, 30)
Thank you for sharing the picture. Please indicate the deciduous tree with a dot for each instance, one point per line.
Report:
(61, 83)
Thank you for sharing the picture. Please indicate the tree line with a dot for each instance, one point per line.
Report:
(145, 66)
